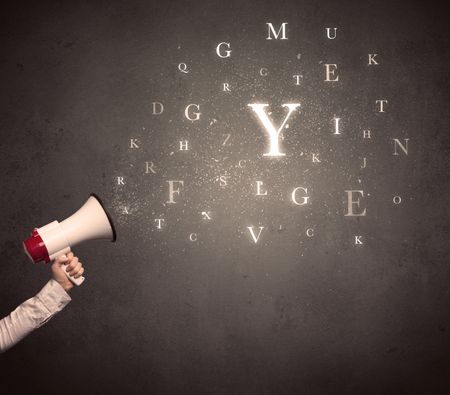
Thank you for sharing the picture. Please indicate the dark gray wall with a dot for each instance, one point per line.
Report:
(160, 314)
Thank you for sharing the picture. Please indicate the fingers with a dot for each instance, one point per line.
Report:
(75, 268)
(72, 263)
(80, 272)
(64, 258)
(61, 259)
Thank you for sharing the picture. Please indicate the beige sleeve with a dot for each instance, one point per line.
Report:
(32, 313)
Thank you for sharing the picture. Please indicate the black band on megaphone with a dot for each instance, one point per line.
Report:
(109, 217)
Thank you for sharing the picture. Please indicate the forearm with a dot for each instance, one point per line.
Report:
(32, 313)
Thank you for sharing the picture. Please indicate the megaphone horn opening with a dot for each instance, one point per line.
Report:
(111, 223)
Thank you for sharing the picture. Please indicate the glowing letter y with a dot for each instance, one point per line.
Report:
(268, 125)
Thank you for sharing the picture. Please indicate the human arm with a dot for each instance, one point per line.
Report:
(37, 310)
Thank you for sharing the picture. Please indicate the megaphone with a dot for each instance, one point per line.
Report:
(90, 222)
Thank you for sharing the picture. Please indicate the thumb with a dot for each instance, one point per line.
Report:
(60, 260)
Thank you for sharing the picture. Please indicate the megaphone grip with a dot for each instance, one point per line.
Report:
(77, 281)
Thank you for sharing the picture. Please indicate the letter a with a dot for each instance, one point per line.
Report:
(268, 125)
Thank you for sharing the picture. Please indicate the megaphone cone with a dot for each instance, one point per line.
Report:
(90, 222)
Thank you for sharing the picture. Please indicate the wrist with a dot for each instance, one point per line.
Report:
(67, 289)
(66, 285)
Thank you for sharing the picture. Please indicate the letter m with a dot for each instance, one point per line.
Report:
(281, 30)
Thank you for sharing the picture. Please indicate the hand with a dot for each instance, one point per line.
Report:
(75, 268)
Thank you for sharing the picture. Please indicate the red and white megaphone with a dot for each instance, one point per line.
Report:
(90, 222)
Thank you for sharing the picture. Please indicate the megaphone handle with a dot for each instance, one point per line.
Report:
(77, 281)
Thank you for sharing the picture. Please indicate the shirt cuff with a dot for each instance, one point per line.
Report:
(53, 296)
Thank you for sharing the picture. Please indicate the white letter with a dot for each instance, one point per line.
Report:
(149, 168)
(206, 215)
(328, 33)
(263, 72)
(336, 125)
(223, 180)
(183, 68)
(273, 133)
(258, 189)
(330, 72)
(184, 145)
(173, 191)
(381, 103)
(372, 60)
(358, 240)
(160, 221)
(228, 136)
(351, 202)
(255, 238)
(282, 29)
(197, 114)
(404, 148)
(297, 77)
(227, 52)
(161, 107)
(305, 198)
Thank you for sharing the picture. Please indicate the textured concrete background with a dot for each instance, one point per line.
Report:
(159, 314)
